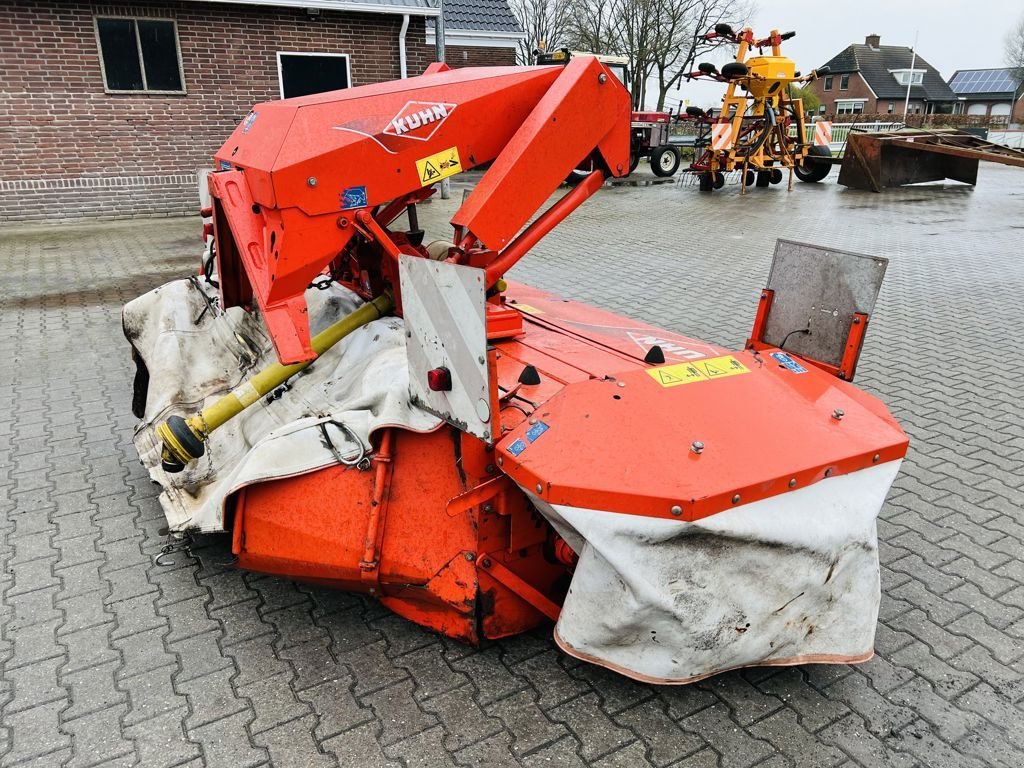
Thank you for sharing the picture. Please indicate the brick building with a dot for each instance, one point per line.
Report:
(111, 108)
(872, 79)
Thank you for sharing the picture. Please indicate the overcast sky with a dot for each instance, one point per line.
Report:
(952, 34)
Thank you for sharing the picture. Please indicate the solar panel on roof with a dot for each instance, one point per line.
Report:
(983, 81)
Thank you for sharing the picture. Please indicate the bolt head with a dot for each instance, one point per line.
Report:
(792, 482)
(311, 181)
(602, 78)
(697, 446)
(875, 458)
(736, 499)
(622, 383)
(838, 414)
(540, 488)
(677, 510)
(828, 472)
(501, 461)
(470, 557)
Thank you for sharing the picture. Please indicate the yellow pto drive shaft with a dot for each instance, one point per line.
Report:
(183, 439)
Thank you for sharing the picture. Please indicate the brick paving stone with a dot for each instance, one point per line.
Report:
(227, 743)
(359, 747)
(105, 656)
(666, 740)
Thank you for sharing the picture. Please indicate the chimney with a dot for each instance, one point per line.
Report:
(873, 41)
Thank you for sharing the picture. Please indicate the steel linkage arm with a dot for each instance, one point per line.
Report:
(584, 114)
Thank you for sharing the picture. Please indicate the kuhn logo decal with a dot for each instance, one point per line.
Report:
(419, 119)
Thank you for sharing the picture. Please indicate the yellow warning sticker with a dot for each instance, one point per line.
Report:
(528, 309)
(439, 166)
(699, 370)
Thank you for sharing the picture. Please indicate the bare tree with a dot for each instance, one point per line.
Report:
(660, 37)
(1013, 48)
(685, 23)
(546, 23)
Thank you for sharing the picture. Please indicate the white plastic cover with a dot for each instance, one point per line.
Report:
(196, 353)
(792, 579)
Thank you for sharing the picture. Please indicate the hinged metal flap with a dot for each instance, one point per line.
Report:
(818, 290)
(443, 306)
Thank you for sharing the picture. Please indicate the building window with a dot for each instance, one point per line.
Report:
(844, 82)
(302, 74)
(139, 55)
(892, 108)
(908, 76)
(850, 106)
(828, 82)
(821, 110)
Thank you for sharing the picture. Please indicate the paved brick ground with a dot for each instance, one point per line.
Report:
(108, 658)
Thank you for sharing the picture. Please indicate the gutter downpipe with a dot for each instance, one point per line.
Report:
(402, 64)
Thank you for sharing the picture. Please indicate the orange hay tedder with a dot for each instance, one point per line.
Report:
(362, 410)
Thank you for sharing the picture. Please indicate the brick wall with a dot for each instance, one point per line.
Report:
(858, 89)
(69, 149)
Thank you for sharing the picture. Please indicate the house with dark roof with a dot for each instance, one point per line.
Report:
(112, 107)
(475, 28)
(872, 79)
(988, 94)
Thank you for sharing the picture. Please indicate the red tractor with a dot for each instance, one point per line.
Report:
(648, 130)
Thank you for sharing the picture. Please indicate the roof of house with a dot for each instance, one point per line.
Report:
(875, 65)
(480, 15)
(983, 83)
(464, 15)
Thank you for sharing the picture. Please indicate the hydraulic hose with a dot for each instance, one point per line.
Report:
(183, 439)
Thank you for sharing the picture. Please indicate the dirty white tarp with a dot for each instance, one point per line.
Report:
(195, 353)
(790, 579)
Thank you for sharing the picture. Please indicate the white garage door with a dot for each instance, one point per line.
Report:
(1000, 109)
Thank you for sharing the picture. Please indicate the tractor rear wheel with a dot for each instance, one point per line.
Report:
(814, 170)
(665, 161)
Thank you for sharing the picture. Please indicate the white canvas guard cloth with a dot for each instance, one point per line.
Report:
(792, 579)
(196, 353)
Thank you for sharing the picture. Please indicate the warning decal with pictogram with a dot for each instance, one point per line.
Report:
(439, 166)
(701, 370)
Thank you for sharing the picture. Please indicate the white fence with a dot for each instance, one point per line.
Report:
(840, 132)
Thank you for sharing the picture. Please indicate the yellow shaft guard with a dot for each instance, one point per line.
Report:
(245, 394)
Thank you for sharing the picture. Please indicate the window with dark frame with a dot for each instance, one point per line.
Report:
(844, 82)
(304, 74)
(139, 55)
(828, 82)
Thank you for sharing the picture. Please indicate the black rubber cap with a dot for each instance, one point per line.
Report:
(655, 355)
(172, 467)
(185, 436)
(529, 376)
